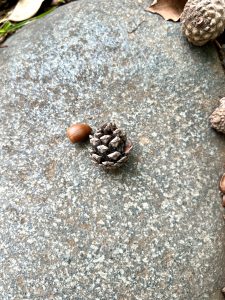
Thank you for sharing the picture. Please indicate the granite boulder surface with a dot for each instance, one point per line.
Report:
(68, 230)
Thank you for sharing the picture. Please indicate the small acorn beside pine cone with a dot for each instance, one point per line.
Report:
(78, 132)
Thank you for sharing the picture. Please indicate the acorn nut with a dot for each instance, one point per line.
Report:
(222, 184)
(78, 132)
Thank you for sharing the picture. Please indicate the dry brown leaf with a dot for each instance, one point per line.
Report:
(25, 9)
(168, 9)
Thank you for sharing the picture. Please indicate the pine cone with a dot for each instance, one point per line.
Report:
(110, 147)
(203, 20)
(217, 118)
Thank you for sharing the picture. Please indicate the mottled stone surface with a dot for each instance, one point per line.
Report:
(152, 230)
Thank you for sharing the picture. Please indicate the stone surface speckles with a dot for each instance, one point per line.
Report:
(68, 230)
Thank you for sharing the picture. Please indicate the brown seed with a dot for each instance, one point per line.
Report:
(222, 184)
(78, 132)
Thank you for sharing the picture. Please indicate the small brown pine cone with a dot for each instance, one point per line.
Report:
(203, 20)
(110, 147)
(217, 118)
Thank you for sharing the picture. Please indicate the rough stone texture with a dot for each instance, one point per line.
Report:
(68, 230)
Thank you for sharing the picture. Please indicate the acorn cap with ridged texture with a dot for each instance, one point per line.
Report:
(203, 20)
(110, 147)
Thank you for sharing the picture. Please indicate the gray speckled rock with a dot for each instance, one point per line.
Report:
(68, 230)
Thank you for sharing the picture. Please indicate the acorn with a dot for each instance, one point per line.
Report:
(78, 132)
(222, 184)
